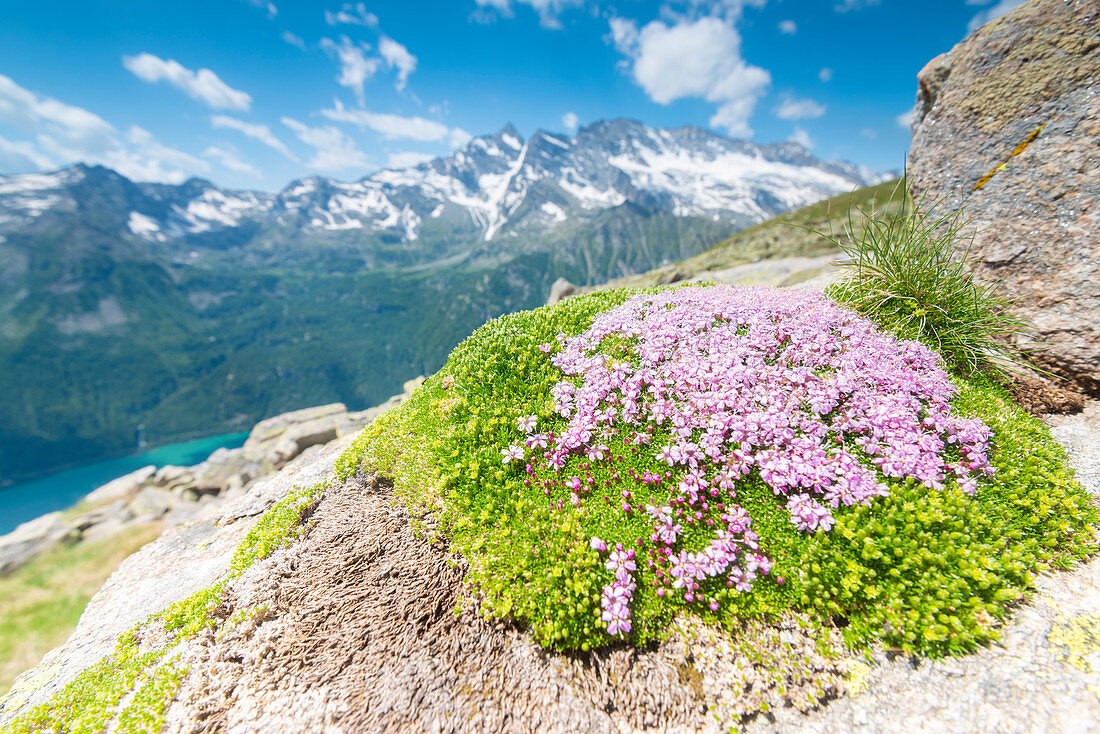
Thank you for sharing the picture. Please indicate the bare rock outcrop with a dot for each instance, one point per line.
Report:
(182, 561)
(1005, 128)
(31, 539)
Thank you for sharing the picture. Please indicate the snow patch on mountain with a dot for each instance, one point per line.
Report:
(554, 213)
(146, 227)
(214, 209)
(31, 182)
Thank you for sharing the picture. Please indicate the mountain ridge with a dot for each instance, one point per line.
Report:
(603, 165)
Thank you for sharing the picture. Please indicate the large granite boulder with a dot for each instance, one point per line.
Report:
(1006, 127)
(311, 425)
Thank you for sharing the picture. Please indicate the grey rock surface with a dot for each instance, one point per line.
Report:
(560, 289)
(124, 487)
(150, 503)
(31, 539)
(783, 272)
(296, 423)
(780, 272)
(1006, 128)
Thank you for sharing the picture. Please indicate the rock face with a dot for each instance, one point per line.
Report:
(30, 539)
(560, 290)
(1006, 127)
(124, 487)
(782, 272)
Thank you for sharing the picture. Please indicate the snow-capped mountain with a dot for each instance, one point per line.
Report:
(495, 185)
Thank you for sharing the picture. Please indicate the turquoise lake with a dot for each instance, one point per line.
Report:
(30, 499)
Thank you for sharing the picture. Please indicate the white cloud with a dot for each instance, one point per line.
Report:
(255, 131)
(408, 159)
(144, 141)
(548, 10)
(905, 119)
(792, 108)
(65, 134)
(141, 165)
(868, 133)
(731, 10)
(397, 57)
(459, 137)
(294, 40)
(350, 14)
(1001, 8)
(73, 125)
(624, 34)
(265, 5)
(397, 127)
(801, 137)
(570, 120)
(845, 6)
(694, 58)
(788, 27)
(825, 75)
(355, 67)
(230, 160)
(333, 150)
(24, 151)
(203, 85)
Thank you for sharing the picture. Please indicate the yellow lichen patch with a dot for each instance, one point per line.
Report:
(1055, 57)
(1078, 640)
(856, 679)
(1019, 149)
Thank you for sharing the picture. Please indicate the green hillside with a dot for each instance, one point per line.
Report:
(787, 235)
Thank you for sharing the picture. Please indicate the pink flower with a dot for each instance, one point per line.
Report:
(814, 399)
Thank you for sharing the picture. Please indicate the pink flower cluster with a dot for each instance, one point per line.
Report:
(617, 594)
(785, 383)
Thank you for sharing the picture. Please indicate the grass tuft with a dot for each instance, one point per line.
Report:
(910, 275)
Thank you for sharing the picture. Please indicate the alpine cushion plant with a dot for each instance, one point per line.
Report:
(620, 458)
(719, 382)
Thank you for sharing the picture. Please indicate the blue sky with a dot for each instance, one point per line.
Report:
(255, 93)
